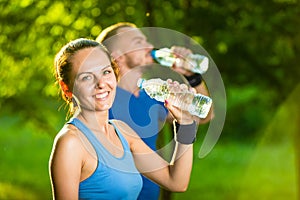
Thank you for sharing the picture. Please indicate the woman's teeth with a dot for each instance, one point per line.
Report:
(102, 95)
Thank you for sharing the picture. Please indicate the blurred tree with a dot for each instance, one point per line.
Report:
(254, 44)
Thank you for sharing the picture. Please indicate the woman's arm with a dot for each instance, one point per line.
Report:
(65, 165)
(172, 177)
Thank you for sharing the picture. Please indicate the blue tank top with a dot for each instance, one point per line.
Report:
(114, 178)
(144, 115)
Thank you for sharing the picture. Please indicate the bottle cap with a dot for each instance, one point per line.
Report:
(153, 55)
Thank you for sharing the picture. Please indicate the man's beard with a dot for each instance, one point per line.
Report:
(133, 62)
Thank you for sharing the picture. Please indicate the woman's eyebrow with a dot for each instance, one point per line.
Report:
(107, 66)
(78, 74)
(101, 68)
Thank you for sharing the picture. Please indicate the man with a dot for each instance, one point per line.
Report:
(130, 48)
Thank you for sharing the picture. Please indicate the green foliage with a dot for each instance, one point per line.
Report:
(254, 44)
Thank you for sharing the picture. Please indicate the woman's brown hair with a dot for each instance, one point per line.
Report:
(63, 66)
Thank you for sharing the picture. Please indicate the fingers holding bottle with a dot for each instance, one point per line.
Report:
(181, 64)
(178, 100)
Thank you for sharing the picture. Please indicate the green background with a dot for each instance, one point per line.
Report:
(254, 43)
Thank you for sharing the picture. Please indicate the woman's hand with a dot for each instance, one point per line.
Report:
(180, 94)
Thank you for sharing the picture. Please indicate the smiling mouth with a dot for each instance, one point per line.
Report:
(102, 95)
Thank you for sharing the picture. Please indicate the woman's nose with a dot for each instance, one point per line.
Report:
(100, 82)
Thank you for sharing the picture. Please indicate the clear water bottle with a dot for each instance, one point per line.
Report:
(194, 62)
(197, 104)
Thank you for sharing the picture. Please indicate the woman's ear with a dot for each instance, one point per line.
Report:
(65, 89)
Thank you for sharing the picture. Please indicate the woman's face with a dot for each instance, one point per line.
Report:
(94, 79)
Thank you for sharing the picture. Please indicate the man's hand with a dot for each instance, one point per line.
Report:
(179, 66)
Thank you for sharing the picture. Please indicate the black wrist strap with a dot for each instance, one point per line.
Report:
(186, 134)
(194, 80)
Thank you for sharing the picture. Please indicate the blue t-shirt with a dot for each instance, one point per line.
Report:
(145, 116)
(114, 178)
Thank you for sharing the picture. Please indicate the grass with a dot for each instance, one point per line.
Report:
(23, 162)
(244, 172)
(266, 170)
(230, 171)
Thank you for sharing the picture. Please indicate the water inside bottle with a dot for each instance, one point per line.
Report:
(157, 91)
(200, 106)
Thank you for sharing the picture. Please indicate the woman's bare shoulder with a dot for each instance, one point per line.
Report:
(68, 136)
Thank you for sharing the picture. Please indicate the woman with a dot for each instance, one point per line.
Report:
(97, 158)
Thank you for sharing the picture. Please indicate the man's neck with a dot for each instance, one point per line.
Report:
(128, 80)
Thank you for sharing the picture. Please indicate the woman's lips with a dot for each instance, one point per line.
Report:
(101, 95)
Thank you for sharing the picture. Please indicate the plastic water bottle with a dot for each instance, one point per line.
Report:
(193, 62)
(197, 104)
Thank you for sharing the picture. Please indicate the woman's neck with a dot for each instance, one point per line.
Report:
(94, 120)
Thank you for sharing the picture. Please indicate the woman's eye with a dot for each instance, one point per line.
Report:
(86, 77)
(108, 71)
